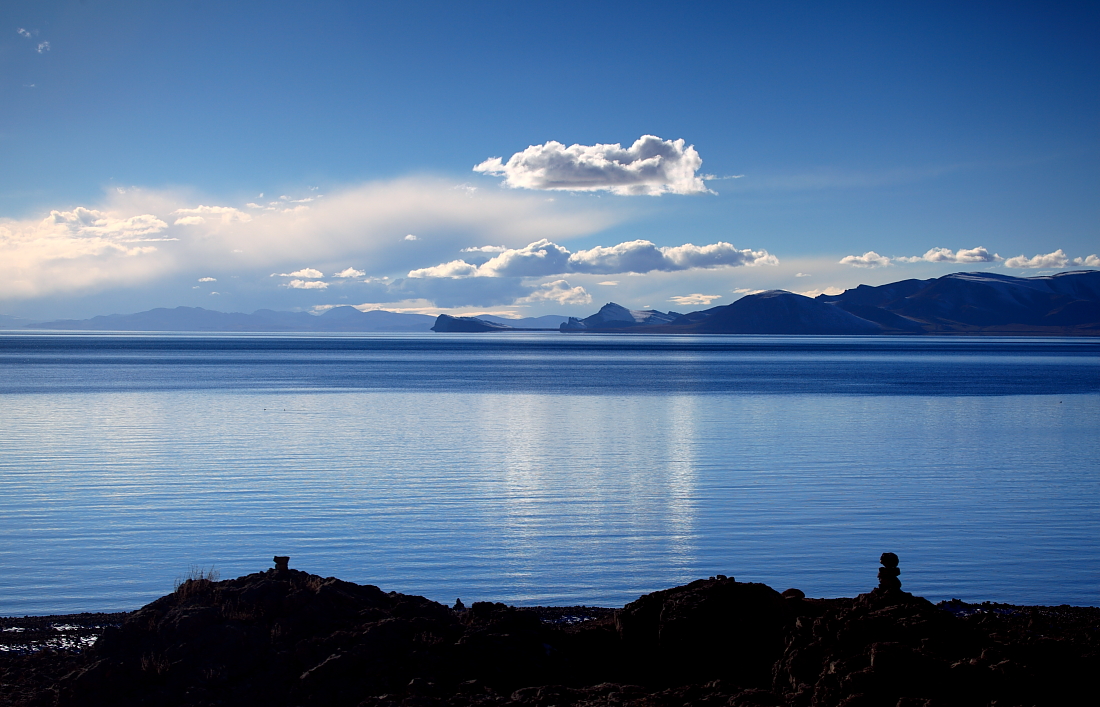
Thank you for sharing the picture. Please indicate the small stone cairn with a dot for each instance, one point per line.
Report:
(888, 573)
(282, 564)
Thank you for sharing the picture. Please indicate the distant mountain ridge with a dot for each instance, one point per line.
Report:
(616, 316)
(981, 303)
(347, 319)
(976, 303)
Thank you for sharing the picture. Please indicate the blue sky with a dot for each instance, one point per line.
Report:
(824, 146)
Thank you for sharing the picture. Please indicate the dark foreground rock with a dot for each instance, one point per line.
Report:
(292, 638)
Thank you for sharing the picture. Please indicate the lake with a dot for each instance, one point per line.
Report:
(547, 468)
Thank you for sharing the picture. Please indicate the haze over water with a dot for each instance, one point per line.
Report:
(548, 469)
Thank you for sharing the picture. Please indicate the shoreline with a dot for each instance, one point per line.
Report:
(287, 638)
(77, 632)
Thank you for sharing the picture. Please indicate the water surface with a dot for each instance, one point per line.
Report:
(546, 468)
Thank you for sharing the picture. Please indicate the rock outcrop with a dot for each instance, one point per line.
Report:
(615, 317)
(287, 638)
(467, 325)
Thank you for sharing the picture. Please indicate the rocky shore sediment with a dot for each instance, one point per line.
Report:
(286, 637)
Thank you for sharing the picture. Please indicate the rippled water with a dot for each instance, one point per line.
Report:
(546, 468)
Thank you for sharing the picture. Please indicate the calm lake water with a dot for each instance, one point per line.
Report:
(548, 469)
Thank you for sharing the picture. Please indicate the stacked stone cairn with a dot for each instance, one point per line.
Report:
(888, 573)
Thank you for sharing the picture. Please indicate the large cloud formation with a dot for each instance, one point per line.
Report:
(74, 249)
(651, 166)
(544, 258)
(142, 236)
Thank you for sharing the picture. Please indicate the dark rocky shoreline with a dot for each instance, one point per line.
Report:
(285, 637)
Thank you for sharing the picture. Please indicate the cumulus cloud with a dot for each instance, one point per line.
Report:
(485, 249)
(694, 299)
(870, 259)
(453, 269)
(802, 274)
(307, 284)
(544, 258)
(349, 272)
(1092, 261)
(89, 222)
(304, 272)
(43, 47)
(411, 237)
(189, 221)
(208, 279)
(226, 214)
(1057, 259)
(965, 256)
(557, 291)
(716, 255)
(609, 283)
(23, 33)
(651, 166)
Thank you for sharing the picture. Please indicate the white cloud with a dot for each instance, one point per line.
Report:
(189, 221)
(1092, 261)
(307, 284)
(965, 256)
(304, 272)
(485, 249)
(254, 205)
(557, 291)
(122, 241)
(454, 269)
(747, 291)
(349, 272)
(82, 222)
(716, 255)
(208, 279)
(227, 214)
(802, 274)
(609, 283)
(543, 258)
(1057, 259)
(651, 166)
(43, 47)
(870, 259)
(23, 33)
(411, 237)
(694, 299)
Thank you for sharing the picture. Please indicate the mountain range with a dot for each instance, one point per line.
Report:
(198, 319)
(1065, 304)
(976, 303)
(337, 319)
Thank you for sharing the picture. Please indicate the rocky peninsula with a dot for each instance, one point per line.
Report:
(287, 637)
